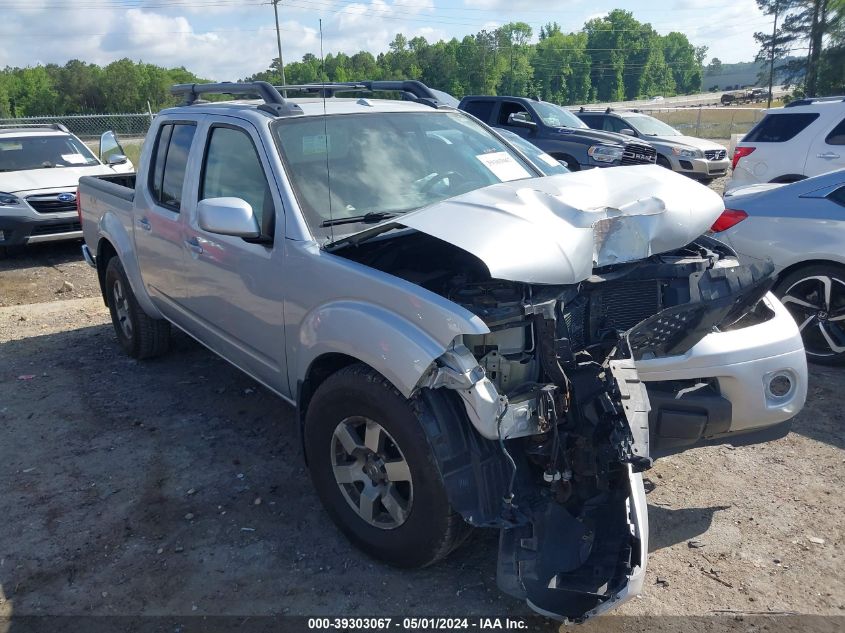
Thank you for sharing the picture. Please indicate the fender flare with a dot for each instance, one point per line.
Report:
(111, 229)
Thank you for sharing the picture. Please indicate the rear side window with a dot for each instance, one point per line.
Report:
(778, 128)
(594, 121)
(171, 157)
(480, 109)
(837, 135)
(838, 196)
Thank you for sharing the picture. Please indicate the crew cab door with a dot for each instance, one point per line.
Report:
(158, 219)
(827, 151)
(234, 297)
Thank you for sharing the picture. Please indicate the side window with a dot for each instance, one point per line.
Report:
(171, 157)
(778, 128)
(508, 108)
(594, 121)
(232, 168)
(837, 135)
(480, 109)
(608, 124)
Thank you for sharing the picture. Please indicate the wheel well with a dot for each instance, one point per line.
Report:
(572, 164)
(786, 178)
(805, 264)
(105, 251)
(321, 368)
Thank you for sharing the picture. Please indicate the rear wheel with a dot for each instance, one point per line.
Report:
(815, 296)
(373, 470)
(139, 335)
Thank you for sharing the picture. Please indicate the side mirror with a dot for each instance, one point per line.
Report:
(627, 131)
(117, 159)
(228, 216)
(521, 119)
(109, 145)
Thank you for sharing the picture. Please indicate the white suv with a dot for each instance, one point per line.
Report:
(805, 138)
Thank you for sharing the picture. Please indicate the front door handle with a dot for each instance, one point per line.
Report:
(194, 245)
(144, 223)
(827, 155)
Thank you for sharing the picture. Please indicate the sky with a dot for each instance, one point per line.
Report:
(230, 39)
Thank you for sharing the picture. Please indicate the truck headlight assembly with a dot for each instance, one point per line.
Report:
(605, 153)
(687, 153)
(8, 200)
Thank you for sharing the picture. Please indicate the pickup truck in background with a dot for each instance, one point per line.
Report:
(466, 342)
(559, 133)
(40, 167)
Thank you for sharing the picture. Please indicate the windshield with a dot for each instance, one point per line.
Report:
(555, 116)
(649, 126)
(542, 161)
(39, 152)
(348, 170)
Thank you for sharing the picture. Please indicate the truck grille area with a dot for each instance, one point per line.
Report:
(715, 154)
(52, 204)
(637, 154)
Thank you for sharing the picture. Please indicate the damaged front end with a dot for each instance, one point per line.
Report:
(555, 387)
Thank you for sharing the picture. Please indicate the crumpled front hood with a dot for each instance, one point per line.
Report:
(555, 230)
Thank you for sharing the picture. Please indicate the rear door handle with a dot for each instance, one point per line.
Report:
(827, 155)
(193, 245)
(144, 223)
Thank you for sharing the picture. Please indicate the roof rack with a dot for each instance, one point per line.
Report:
(411, 89)
(46, 126)
(274, 103)
(812, 100)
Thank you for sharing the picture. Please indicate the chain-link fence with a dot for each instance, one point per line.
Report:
(712, 122)
(91, 126)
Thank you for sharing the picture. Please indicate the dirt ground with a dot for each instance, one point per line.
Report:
(176, 487)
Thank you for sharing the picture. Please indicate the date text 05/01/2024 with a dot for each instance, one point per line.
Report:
(413, 624)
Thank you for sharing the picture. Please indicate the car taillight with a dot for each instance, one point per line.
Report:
(729, 218)
(78, 206)
(739, 152)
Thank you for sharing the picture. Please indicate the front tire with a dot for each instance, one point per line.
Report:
(815, 296)
(139, 335)
(664, 162)
(374, 471)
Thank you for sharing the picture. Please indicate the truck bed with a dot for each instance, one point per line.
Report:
(99, 195)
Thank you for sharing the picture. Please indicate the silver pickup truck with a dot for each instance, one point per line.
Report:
(466, 342)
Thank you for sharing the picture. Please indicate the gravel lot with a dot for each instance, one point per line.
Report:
(177, 487)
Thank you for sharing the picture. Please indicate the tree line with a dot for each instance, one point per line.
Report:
(613, 58)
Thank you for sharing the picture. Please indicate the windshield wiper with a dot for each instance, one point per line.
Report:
(368, 218)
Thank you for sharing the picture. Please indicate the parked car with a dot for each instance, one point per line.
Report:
(695, 157)
(461, 337)
(805, 138)
(801, 227)
(40, 166)
(558, 132)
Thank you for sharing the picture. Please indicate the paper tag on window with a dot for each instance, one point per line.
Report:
(316, 144)
(74, 159)
(548, 160)
(503, 166)
(10, 146)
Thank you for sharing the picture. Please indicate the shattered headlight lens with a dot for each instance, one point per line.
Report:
(8, 200)
(687, 153)
(605, 153)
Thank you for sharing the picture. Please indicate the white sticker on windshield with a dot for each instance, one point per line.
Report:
(548, 160)
(10, 146)
(316, 144)
(74, 159)
(503, 166)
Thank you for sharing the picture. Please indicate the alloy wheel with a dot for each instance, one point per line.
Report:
(121, 308)
(371, 472)
(817, 304)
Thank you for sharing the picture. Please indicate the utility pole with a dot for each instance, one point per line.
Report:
(279, 42)
(772, 56)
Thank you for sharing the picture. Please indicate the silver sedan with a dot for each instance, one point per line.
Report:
(801, 227)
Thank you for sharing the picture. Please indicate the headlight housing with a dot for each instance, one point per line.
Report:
(687, 153)
(605, 153)
(8, 200)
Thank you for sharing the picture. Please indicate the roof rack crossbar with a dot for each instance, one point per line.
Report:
(261, 89)
(411, 89)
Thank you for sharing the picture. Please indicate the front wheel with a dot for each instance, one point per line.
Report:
(373, 470)
(815, 296)
(139, 335)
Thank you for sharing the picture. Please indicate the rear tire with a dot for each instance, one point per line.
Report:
(815, 296)
(139, 335)
(374, 471)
